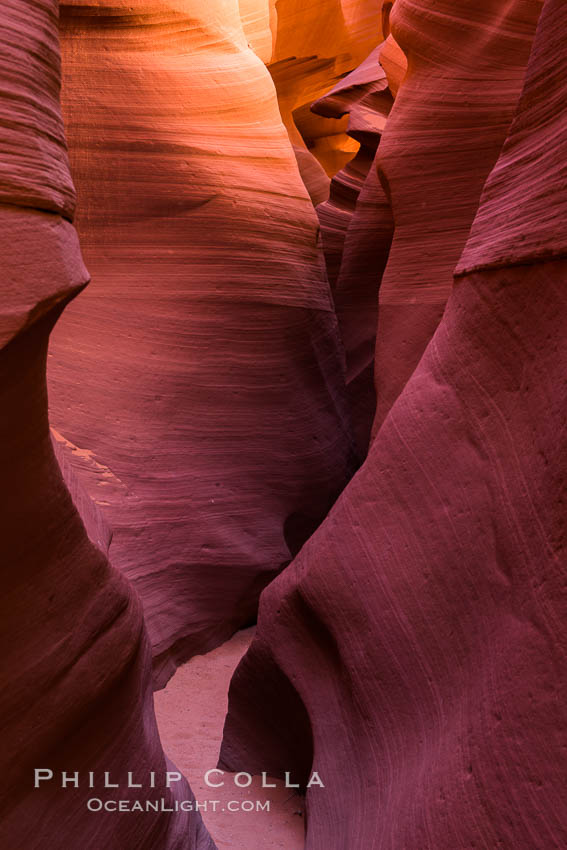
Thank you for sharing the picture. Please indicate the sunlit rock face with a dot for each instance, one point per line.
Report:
(413, 653)
(75, 659)
(211, 394)
(357, 229)
(258, 18)
(316, 43)
(365, 98)
(467, 63)
(198, 385)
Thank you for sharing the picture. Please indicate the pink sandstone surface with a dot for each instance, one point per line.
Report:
(199, 381)
(190, 712)
(467, 62)
(210, 396)
(414, 652)
(75, 660)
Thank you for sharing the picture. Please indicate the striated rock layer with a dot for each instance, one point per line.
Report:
(357, 229)
(75, 660)
(365, 98)
(199, 383)
(363, 259)
(259, 22)
(416, 646)
(316, 44)
(466, 65)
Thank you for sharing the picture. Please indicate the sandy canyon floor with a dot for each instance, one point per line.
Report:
(190, 712)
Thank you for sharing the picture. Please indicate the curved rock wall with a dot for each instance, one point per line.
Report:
(357, 229)
(75, 659)
(413, 652)
(416, 646)
(364, 96)
(467, 62)
(259, 20)
(199, 382)
(316, 44)
(363, 259)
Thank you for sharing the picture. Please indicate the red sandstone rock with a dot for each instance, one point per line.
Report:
(413, 653)
(199, 381)
(395, 63)
(416, 646)
(357, 229)
(316, 44)
(363, 259)
(313, 175)
(365, 98)
(75, 660)
(467, 62)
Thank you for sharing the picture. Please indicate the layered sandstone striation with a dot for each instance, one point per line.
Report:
(365, 98)
(75, 660)
(414, 652)
(357, 228)
(316, 44)
(199, 383)
(259, 21)
(467, 62)
(211, 396)
(364, 255)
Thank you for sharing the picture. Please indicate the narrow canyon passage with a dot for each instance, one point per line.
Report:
(190, 713)
(283, 425)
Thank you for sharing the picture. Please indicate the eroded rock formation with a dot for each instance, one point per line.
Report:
(413, 652)
(415, 649)
(316, 44)
(199, 381)
(365, 97)
(467, 63)
(363, 260)
(357, 229)
(75, 660)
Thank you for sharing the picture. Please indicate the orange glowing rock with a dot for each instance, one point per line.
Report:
(75, 658)
(201, 371)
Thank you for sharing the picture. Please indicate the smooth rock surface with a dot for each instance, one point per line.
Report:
(467, 61)
(416, 646)
(75, 660)
(199, 382)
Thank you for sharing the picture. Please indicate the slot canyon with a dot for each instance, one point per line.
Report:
(283, 353)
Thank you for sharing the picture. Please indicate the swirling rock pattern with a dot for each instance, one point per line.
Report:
(364, 96)
(416, 646)
(357, 229)
(467, 62)
(518, 219)
(363, 260)
(316, 44)
(259, 18)
(75, 659)
(200, 377)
